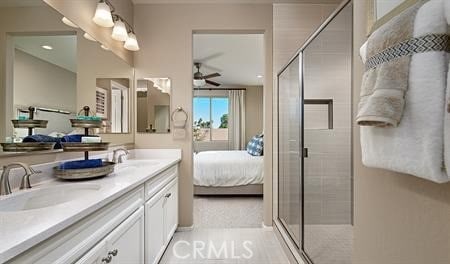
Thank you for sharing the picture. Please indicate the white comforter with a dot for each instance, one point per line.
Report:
(227, 168)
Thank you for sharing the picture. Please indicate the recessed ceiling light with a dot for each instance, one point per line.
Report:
(89, 37)
(259, 76)
(68, 22)
(47, 47)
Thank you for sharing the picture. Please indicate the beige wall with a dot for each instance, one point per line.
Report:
(399, 219)
(36, 79)
(254, 110)
(81, 12)
(166, 50)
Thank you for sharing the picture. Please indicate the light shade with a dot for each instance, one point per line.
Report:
(131, 42)
(68, 22)
(119, 31)
(103, 15)
(199, 82)
(89, 37)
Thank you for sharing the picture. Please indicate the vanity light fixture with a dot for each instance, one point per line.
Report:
(259, 76)
(103, 14)
(69, 23)
(131, 42)
(119, 32)
(89, 37)
(47, 47)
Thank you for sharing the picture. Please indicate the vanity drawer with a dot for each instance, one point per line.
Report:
(156, 184)
(73, 242)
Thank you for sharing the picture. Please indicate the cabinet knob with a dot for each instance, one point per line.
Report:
(113, 252)
(168, 195)
(107, 259)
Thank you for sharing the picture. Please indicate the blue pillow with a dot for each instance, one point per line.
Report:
(255, 146)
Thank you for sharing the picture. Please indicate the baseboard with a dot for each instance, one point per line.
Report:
(265, 227)
(185, 228)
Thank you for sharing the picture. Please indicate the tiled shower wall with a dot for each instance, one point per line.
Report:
(327, 170)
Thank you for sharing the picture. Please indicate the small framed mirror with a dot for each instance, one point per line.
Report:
(381, 11)
(153, 105)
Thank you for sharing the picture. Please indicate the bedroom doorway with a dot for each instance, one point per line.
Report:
(228, 138)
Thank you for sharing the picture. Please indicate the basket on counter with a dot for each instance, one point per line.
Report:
(87, 122)
(29, 124)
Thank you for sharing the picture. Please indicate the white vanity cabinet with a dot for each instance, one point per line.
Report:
(123, 245)
(161, 220)
(134, 228)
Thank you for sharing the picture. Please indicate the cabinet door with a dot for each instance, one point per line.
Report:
(126, 242)
(97, 255)
(154, 229)
(171, 211)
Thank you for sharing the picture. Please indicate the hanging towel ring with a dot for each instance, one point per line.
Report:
(179, 123)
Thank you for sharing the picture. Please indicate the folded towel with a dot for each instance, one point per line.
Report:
(89, 118)
(386, 78)
(44, 138)
(81, 164)
(416, 145)
(74, 138)
(447, 11)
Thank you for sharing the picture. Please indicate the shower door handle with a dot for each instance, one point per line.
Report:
(305, 152)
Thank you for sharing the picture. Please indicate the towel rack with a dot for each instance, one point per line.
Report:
(180, 123)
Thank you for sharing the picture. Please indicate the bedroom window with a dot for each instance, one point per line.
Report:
(210, 118)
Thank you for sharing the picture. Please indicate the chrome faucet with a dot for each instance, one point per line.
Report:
(5, 187)
(118, 158)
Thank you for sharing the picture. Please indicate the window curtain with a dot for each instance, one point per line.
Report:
(236, 120)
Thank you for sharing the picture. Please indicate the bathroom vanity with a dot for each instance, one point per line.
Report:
(129, 216)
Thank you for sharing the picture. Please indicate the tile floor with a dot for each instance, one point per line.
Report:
(227, 230)
(329, 244)
(226, 246)
(228, 212)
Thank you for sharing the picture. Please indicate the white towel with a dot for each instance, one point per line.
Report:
(416, 146)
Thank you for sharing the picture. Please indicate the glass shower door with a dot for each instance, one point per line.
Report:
(289, 146)
(327, 176)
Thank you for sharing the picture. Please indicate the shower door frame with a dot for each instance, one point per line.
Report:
(299, 53)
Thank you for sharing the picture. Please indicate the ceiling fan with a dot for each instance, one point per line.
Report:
(201, 80)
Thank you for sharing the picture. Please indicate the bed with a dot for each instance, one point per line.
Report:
(228, 173)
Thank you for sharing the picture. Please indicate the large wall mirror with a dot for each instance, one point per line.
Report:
(153, 105)
(56, 68)
(381, 11)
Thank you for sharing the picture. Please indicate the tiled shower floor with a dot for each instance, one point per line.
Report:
(329, 244)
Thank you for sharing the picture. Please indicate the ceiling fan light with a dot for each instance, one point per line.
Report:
(199, 82)
(69, 23)
(119, 32)
(103, 15)
(131, 42)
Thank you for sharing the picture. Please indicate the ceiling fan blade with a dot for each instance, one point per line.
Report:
(210, 57)
(210, 68)
(212, 75)
(212, 83)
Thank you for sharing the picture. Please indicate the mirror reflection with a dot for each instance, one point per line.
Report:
(55, 69)
(45, 68)
(111, 103)
(153, 105)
